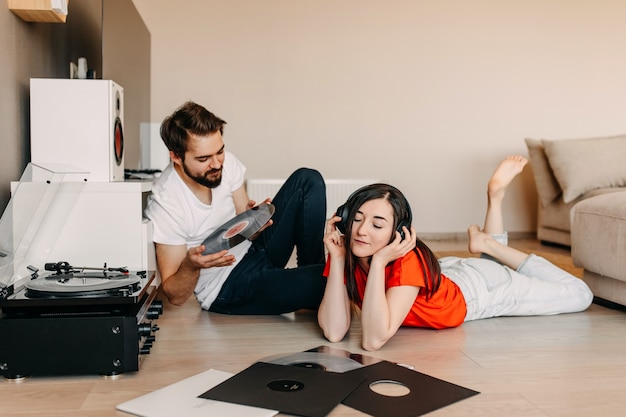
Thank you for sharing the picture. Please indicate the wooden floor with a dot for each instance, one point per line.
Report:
(559, 366)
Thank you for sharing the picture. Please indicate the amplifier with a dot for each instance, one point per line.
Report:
(101, 339)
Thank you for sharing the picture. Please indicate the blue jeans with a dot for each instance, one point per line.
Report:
(260, 284)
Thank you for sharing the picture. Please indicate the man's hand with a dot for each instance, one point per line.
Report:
(251, 205)
(180, 268)
(196, 260)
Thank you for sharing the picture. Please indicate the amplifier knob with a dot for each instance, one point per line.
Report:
(146, 329)
(157, 305)
(152, 315)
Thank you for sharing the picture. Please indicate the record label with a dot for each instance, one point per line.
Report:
(238, 229)
(285, 385)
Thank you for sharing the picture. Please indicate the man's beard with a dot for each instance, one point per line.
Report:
(204, 180)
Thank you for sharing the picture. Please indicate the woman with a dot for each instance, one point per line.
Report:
(380, 265)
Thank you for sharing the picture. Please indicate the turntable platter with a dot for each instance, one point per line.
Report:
(68, 285)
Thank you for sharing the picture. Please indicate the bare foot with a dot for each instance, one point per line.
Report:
(478, 240)
(508, 169)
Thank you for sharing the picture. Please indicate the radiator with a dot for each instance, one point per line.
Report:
(337, 190)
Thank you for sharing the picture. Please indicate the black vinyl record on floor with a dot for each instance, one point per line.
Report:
(315, 360)
(289, 389)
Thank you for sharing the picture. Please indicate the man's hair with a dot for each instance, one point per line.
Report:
(189, 119)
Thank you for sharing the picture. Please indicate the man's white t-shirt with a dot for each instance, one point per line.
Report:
(179, 218)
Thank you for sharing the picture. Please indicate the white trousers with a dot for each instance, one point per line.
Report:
(538, 287)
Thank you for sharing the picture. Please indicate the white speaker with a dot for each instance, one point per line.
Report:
(79, 123)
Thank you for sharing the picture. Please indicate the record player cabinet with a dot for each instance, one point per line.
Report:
(56, 215)
(77, 338)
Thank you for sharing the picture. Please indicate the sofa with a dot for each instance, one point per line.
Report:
(599, 245)
(569, 171)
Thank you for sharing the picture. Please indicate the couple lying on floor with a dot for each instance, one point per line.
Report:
(367, 255)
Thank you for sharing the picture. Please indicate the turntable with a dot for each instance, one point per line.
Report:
(64, 285)
(78, 320)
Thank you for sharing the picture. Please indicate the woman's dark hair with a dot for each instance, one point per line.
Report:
(190, 118)
(402, 212)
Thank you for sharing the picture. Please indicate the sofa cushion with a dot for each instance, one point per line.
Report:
(557, 215)
(548, 188)
(598, 235)
(581, 165)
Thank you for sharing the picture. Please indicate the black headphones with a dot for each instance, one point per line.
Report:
(343, 211)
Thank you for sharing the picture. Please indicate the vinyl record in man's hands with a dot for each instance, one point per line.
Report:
(238, 229)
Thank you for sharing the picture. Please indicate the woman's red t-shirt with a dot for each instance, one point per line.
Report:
(445, 308)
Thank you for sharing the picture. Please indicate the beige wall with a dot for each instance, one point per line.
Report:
(126, 59)
(116, 43)
(27, 50)
(426, 95)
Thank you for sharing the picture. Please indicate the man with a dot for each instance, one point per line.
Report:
(201, 189)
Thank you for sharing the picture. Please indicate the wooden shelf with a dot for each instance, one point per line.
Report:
(36, 11)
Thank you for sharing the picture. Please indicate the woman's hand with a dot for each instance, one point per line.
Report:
(398, 246)
(334, 240)
(333, 314)
(384, 310)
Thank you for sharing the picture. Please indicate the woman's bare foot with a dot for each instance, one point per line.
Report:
(481, 242)
(478, 240)
(508, 169)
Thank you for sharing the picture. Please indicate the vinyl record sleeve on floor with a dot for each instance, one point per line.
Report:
(289, 389)
(238, 229)
(181, 399)
(426, 393)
